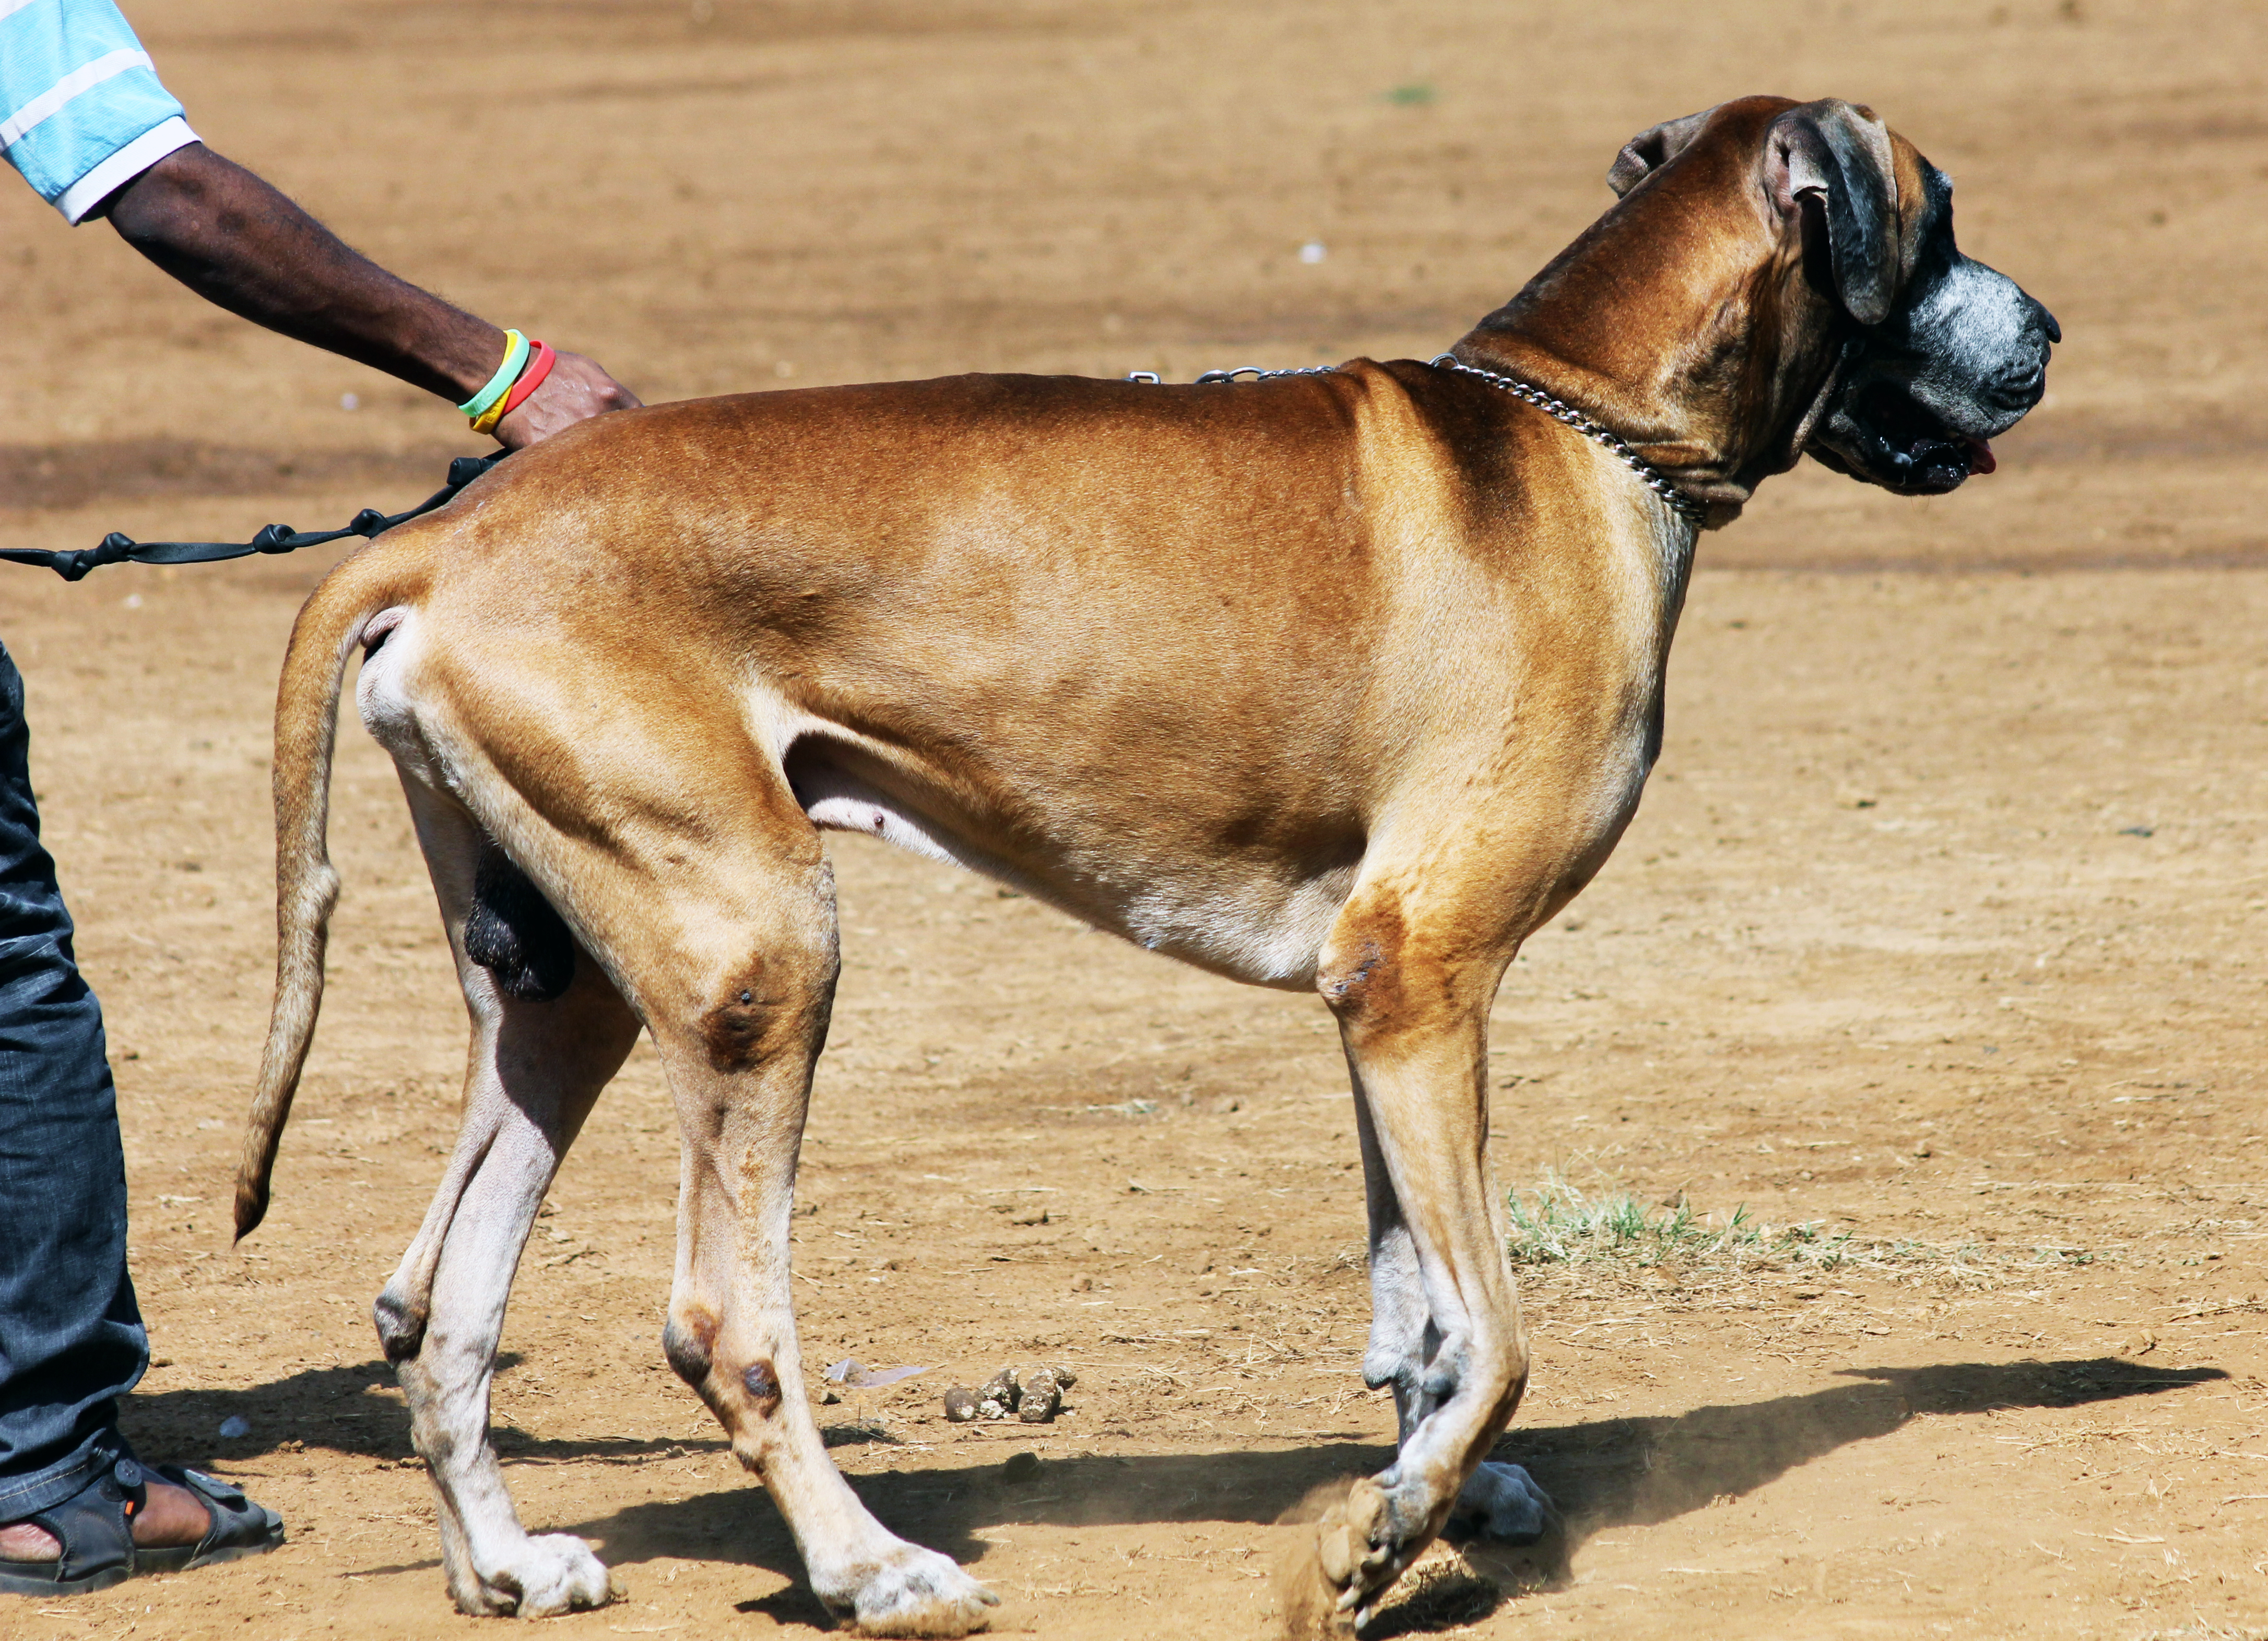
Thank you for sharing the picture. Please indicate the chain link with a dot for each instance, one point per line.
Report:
(1214, 378)
(1560, 411)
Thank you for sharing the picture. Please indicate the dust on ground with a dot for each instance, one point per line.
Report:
(1937, 937)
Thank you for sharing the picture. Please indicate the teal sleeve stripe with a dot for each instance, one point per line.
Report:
(62, 130)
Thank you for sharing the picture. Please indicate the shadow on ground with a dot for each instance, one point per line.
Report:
(351, 1408)
(1604, 1474)
(1639, 1471)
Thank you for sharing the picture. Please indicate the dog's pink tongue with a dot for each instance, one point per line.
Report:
(1980, 456)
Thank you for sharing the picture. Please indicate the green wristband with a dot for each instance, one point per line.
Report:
(515, 359)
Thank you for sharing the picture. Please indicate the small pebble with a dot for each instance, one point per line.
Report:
(234, 1428)
(960, 1405)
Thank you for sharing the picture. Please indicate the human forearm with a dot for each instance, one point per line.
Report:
(239, 243)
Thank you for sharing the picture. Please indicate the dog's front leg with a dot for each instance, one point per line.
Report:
(1411, 993)
(1501, 1501)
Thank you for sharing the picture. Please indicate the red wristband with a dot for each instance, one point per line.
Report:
(531, 378)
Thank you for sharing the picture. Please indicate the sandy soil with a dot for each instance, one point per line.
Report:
(1939, 931)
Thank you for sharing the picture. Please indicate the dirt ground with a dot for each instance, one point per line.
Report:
(1939, 931)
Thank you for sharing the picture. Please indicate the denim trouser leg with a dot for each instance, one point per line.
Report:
(70, 1335)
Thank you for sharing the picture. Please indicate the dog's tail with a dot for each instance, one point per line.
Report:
(395, 570)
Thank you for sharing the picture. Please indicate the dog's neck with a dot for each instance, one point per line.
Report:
(1721, 390)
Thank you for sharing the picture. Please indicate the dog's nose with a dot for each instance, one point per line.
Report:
(2045, 319)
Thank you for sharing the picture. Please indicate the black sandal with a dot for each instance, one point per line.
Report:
(98, 1547)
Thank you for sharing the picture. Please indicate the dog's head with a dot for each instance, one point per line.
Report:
(1938, 353)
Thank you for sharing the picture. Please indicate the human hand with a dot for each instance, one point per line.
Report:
(577, 389)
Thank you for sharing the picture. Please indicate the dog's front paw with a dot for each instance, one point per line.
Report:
(542, 1578)
(1502, 1501)
(1364, 1544)
(917, 1591)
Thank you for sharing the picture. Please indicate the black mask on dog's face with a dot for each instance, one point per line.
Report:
(1959, 359)
(1937, 352)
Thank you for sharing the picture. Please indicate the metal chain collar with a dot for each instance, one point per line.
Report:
(1559, 409)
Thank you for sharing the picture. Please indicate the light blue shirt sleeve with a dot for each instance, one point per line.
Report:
(82, 111)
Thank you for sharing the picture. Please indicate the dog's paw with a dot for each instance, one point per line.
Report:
(542, 1578)
(1502, 1501)
(917, 1591)
(1363, 1544)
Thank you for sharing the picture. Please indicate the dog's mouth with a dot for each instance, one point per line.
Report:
(1887, 437)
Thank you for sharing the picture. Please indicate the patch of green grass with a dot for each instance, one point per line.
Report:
(1558, 1224)
(1417, 94)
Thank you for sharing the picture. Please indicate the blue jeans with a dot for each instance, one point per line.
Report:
(71, 1335)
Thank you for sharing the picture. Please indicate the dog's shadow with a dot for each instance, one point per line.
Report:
(1604, 1474)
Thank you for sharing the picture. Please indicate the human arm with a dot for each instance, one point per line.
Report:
(240, 244)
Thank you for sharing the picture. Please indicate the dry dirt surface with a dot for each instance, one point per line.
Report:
(1935, 948)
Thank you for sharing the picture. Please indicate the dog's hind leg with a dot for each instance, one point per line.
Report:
(682, 859)
(738, 1002)
(548, 1030)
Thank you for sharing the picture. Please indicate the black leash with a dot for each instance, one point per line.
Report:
(117, 549)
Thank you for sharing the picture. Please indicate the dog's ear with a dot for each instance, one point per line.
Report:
(1650, 151)
(1840, 154)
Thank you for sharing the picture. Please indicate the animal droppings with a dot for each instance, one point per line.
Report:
(1032, 1395)
(1020, 1468)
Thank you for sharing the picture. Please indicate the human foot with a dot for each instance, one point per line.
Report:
(129, 1519)
(169, 1517)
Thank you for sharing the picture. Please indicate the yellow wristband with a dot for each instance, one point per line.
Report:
(486, 422)
(515, 360)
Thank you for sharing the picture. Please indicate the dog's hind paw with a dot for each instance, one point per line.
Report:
(545, 1576)
(1502, 1501)
(917, 1591)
